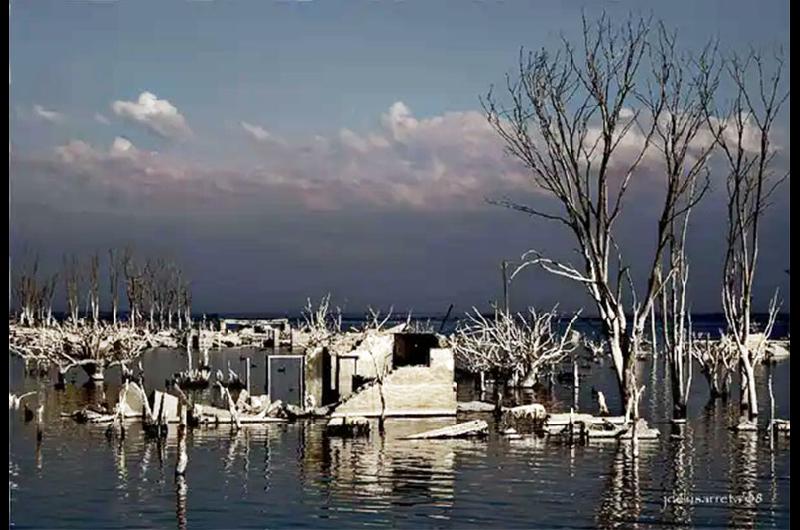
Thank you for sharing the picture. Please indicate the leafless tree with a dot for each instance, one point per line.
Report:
(568, 115)
(134, 286)
(679, 95)
(68, 345)
(93, 298)
(321, 322)
(512, 348)
(717, 359)
(72, 286)
(115, 268)
(31, 293)
(749, 152)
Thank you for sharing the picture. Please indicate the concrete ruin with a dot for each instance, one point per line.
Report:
(411, 390)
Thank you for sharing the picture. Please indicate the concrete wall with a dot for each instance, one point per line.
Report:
(409, 391)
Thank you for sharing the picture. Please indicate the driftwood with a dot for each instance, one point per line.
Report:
(460, 430)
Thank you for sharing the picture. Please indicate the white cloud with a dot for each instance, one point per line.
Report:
(259, 133)
(99, 118)
(158, 115)
(47, 115)
(122, 146)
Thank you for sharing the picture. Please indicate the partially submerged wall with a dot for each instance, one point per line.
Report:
(409, 391)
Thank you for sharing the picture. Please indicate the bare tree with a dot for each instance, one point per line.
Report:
(678, 100)
(72, 281)
(94, 289)
(321, 322)
(115, 268)
(26, 291)
(134, 286)
(747, 146)
(567, 117)
(717, 359)
(512, 348)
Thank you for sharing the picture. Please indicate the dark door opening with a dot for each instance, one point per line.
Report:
(413, 349)
(285, 378)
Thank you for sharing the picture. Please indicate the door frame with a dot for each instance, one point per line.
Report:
(302, 376)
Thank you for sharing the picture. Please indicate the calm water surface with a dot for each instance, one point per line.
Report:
(291, 475)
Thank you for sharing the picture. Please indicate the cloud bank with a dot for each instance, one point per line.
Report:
(157, 115)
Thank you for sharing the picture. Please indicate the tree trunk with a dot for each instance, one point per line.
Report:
(752, 397)
(678, 393)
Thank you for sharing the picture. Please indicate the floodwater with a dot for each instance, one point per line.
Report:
(292, 476)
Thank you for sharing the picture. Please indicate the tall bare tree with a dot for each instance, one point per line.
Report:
(94, 289)
(568, 115)
(680, 94)
(115, 269)
(133, 286)
(750, 154)
(72, 286)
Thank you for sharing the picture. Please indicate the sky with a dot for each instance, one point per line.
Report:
(279, 150)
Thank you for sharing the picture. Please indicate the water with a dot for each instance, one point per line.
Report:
(291, 475)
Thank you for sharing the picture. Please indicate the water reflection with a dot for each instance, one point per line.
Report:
(680, 458)
(181, 489)
(384, 471)
(621, 501)
(745, 496)
(282, 475)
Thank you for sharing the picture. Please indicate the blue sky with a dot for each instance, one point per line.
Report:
(277, 91)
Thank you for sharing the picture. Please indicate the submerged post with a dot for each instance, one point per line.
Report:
(183, 457)
(575, 384)
(40, 423)
(247, 374)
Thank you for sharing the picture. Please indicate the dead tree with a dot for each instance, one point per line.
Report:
(717, 359)
(115, 268)
(512, 348)
(34, 296)
(133, 286)
(678, 101)
(749, 152)
(569, 112)
(321, 322)
(93, 297)
(72, 282)
(186, 301)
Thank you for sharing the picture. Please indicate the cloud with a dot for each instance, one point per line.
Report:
(158, 115)
(99, 118)
(259, 134)
(447, 162)
(47, 115)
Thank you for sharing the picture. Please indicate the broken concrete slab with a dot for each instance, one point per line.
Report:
(474, 406)
(459, 430)
(133, 401)
(348, 427)
(165, 406)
